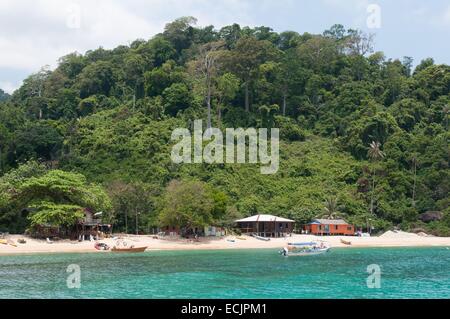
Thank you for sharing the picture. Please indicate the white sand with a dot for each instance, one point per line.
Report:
(399, 234)
(390, 239)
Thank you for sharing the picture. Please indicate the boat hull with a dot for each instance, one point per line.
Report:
(308, 253)
(129, 250)
(305, 249)
(261, 238)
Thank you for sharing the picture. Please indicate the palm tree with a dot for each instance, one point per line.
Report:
(331, 208)
(375, 154)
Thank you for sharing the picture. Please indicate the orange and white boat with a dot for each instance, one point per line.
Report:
(129, 250)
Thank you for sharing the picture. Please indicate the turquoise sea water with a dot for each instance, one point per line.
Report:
(406, 273)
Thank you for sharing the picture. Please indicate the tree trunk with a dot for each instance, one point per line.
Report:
(219, 114)
(284, 103)
(134, 97)
(247, 98)
(414, 186)
(126, 223)
(208, 103)
(137, 223)
(372, 200)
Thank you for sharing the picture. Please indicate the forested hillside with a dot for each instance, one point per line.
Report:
(364, 137)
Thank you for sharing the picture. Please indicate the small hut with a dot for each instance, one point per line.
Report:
(92, 225)
(266, 226)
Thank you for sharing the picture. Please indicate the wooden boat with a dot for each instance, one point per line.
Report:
(12, 243)
(261, 238)
(348, 243)
(129, 250)
(305, 249)
(7, 242)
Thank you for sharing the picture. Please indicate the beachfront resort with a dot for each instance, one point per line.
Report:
(255, 232)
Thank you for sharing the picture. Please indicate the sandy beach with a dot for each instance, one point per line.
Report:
(389, 239)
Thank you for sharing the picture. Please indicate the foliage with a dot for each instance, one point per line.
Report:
(54, 197)
(109, 115)
(56, 214)
(186, 204)
(3, 96)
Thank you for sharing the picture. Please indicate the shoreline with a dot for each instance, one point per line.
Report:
(91, 252)
(397, 240)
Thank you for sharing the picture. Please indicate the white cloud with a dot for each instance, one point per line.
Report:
(8, 87)
(446, 16)
(34, 33)
(37, 33)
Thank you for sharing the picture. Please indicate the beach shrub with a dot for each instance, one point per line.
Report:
(187, 205)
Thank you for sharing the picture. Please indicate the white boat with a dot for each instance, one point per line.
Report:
(305, 249)
(261, 238)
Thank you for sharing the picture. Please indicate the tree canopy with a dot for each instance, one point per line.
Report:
(108, 115)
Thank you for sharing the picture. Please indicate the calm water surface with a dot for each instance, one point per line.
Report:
(406, 273)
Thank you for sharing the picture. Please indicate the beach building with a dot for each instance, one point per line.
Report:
(207, 231)
(266, 226)
(330, 227)
(91, 226)
(212, 231)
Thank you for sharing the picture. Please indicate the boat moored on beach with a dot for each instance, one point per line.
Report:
(305, 249)
(123, 246)
(101, 246)
(261, 237)
(346, 242)
(129, 250)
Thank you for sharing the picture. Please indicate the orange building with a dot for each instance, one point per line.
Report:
(330, 227)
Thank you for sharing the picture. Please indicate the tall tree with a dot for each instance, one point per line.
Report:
(227, 88)
(180, 32)
(207, 66)
(231, 34)
(246, 59)
(97, 78)
(3, 96)
(34, 85)
(445, 112)
(414, 163)
(375, 154)
(186, 204)
(359, 42)
(290, 76)
(131, 200)
(134, 66)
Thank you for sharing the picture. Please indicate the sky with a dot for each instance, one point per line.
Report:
(34, 33)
